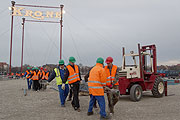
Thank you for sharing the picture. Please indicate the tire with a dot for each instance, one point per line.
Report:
(136, 92)
(158, 88)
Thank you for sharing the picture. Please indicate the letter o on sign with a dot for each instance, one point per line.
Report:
(38, 13)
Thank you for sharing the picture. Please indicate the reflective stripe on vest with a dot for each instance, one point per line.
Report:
(58, 77)
(97, 79)
(35, 76)
(96, 82)
(73, 74)
(45, 75)
(111, 76)
(95, 87)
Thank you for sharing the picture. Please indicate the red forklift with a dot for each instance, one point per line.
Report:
(140, 74)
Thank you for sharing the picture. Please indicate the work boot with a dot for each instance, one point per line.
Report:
(107, 117)
(77, 109)
(62, 105)
(90, 113)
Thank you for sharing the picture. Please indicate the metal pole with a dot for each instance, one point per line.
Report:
(23, 19)
(140, 61)
(13, 3)
(165, 86)
(61, 25)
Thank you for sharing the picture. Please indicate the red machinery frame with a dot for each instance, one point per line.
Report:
(125, 83)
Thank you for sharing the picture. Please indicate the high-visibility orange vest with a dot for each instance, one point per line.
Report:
(17, 74)
(35, 76)
(45, 75)
(28, 76)
(111, 76)
(97, 79)
(40, 72)
(27, 72)
(73, 74)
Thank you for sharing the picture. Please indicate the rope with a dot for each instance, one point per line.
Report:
(98, 35)
(75, 44)
(52, 41)
(30, 45)
(7, 30)
(2, 11)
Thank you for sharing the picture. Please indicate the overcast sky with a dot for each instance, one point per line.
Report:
(94, 28)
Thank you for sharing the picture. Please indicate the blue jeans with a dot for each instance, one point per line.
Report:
(101, 102)
(29, 83)
(63, 93)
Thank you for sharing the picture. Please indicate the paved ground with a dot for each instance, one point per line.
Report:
(44, 105)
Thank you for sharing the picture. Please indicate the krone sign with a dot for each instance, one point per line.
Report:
(39, 15)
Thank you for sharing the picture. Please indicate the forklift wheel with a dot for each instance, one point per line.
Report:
(135, 92)
(158, 88)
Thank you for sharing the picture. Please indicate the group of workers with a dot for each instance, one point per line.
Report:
(34, 76)
(100, 79)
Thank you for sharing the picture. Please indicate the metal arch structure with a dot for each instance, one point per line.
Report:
(23, 22)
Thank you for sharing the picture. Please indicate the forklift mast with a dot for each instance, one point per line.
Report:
(152, 50)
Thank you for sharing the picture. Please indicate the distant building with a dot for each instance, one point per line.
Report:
(178, 65)
(3, 68)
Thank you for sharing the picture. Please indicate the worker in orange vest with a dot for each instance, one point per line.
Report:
(17, 75)
(72, 74)
(27, 75)
(45, 74)
(22, 74)
(112, 83)
(96, 84)
(41, 71)
(35, 75)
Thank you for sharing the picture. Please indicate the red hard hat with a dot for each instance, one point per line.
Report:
(41, 68)
(45, 69)
(109, 60)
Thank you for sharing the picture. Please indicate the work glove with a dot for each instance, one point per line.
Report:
(47, 83)
(63, 86)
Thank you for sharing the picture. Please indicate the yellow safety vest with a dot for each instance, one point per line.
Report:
(58, 77)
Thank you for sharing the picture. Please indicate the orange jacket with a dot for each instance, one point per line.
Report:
(17, 74)
(40, 72)
(27, 73)
(97, 79)
(35, 76)
(73, 74)
(45, 75)
(111, 76)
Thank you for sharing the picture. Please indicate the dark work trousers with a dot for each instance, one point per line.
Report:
(36, 85)
(70, 93)
(75, 92)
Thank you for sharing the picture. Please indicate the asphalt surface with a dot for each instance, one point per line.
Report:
(45, 105)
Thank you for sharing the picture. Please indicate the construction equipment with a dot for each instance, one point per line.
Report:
(135, 78)
(43, 84)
